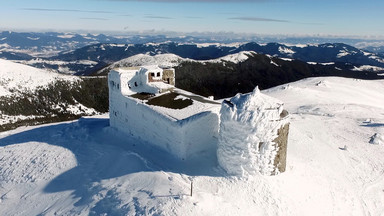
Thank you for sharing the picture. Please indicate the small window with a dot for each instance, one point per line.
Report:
(158, 74)
(136, 84)
(152, 74)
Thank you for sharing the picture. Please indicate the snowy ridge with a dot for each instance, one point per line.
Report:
(236, 45)
(332, 168)
(62, 65)
(368, 68)
(172, 60)
(18, 77)
(162, 60)
(20, 83)
(285, 50)
(342, 54)
(235, 58)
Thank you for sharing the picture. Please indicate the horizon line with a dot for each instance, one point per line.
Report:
(222, 34)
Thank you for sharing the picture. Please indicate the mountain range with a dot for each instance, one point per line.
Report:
(208, 69)
(241, 72)
(84, 54)
(91, 58)
(59, 42)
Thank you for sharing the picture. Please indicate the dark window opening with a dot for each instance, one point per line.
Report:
(152, 74)
(136, 84)
(158, 74)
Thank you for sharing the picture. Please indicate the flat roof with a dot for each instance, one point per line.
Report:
(181, 104)
(175, 103)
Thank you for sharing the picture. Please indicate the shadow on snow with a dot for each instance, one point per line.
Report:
(104, 153)
(372, 125)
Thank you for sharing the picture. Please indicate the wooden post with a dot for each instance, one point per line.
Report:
(191, 187)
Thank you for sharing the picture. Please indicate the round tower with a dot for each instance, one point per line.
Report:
(253, 135)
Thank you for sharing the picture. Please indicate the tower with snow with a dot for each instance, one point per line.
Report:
(247, 133)
(253, 135)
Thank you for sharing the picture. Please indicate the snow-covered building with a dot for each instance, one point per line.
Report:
(149, 79)
(251, 138)
(145, 106)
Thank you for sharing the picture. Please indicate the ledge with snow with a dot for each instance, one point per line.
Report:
(248, 133)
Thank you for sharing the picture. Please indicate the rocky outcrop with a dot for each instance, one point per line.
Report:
(281, 143)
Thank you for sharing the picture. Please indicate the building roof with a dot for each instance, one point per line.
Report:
(199, 104)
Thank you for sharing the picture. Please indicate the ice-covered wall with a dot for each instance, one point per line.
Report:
(248, 140)
(139, 82)
(182, 138)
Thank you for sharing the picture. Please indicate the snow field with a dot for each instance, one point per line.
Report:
(102, 171)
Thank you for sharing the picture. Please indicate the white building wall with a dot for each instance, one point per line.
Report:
(182, 138)
(201, 133)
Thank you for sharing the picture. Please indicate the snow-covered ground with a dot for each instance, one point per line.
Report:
(18, 77)
(86, 168)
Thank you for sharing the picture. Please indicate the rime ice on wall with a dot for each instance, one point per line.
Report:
(139, 82)
(183, 138)
(248, 137)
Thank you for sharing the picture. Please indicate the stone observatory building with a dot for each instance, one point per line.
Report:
(247, 133)
(144, 104)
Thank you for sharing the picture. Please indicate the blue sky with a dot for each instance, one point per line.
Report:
(294, 17)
